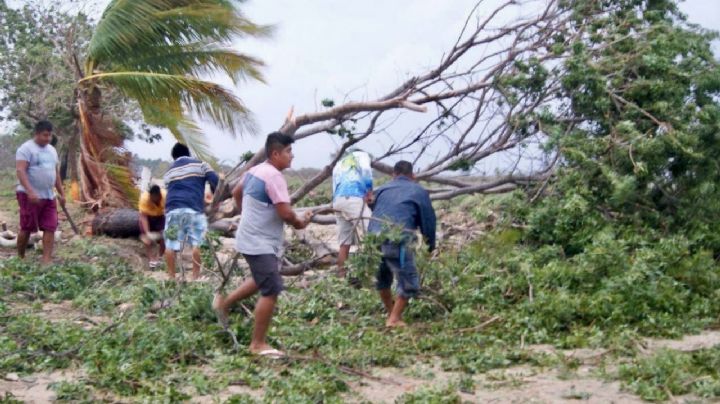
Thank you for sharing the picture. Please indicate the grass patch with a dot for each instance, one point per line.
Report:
(668, 372)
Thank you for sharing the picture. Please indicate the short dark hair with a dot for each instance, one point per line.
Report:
(43, 126)
(277, 141)
(403, 167)
(180, 150)
(155, 190)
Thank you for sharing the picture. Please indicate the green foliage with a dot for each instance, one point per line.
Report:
(8, 398)
(29, 343)
(668, 372)
(176, 338)
(71, 392)
(156, 53)
(448, 395)
(460, 165)
(36, 81)
(321, 195)
(66, 281)
(310, 383)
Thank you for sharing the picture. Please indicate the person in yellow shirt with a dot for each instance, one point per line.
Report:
(152, 223)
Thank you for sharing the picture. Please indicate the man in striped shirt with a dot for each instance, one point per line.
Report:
(185, 220)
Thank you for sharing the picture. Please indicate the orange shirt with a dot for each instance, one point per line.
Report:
(147, 207)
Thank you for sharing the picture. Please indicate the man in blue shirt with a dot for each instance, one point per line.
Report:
(400, 208)
(185, 220)
(352, 188)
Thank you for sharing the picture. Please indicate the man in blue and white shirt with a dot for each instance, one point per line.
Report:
(352, 190)
(185, 220)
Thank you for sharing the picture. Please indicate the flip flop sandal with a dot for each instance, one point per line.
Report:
(272, 354)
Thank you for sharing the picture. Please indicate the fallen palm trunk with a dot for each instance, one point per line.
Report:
(119, 223)
(225, 227)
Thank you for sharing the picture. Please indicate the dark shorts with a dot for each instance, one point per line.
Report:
(401, 266)
(156, 223)
(265, 270)
(42, 216)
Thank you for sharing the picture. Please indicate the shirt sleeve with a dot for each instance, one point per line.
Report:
(277, 190)
(427, 219)
(366, 172)
(211, 177)
(368, 180)
(23, 153)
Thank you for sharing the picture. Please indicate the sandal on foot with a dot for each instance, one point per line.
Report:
(271, 353)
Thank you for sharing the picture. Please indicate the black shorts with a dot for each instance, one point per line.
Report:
(265, 270)
(156, 223)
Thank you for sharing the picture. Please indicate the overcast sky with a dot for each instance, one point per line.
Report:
(331, 48)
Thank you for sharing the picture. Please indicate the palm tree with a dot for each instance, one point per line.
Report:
(157, 52)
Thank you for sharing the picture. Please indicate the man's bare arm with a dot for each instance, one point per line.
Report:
(287, 214)
(21, 168)
(59, 187)
(237, 195)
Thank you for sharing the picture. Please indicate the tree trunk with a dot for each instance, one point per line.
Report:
(105, 177)
(120, 223)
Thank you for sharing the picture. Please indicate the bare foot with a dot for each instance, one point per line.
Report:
(395, 324)
(221, 311)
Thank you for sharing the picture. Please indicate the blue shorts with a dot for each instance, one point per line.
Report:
(184, 226)
(399, 263)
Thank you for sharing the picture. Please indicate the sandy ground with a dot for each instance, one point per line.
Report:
(36, 388)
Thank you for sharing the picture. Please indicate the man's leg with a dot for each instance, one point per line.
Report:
(161, 251)
(48, 246)
(245, 290)
(48, 223)
(27, 223)
(408, 286)
(222, 304)
(395, 317)
(266, 278)
(22, 241)
(387, 299)
(149, 249)
(170, 263)
(196, 236)
(384, 282)
(343, 254)
(263, 314)
(196, 263)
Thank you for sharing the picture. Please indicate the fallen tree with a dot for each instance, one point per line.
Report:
(486, 97)
(496, 93)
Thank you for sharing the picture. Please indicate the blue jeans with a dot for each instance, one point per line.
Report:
(398, 262)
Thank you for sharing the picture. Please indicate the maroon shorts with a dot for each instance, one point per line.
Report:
(156, 223)
(42, 216)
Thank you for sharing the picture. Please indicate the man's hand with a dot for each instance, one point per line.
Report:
(369, 198)
(304, 221)
(307, 217)
(33, 197)
(61, 199)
